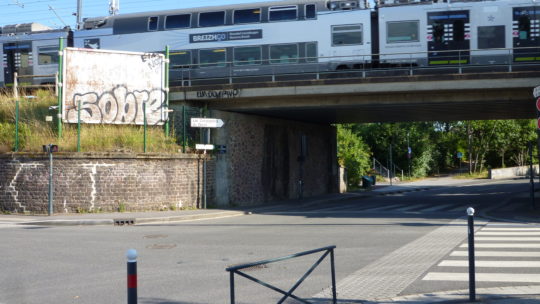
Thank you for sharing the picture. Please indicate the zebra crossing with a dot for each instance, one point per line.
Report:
(504, 254)
(389, 208)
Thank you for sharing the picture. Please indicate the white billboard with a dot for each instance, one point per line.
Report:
(112, 87)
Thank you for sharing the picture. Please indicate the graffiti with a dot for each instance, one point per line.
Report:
(152, 59)
(218, 94)
(118, 106)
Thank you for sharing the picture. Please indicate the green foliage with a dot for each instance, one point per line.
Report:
(353, 154)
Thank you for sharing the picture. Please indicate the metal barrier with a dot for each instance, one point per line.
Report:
(286, 294)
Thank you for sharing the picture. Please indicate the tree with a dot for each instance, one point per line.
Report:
(353, 154)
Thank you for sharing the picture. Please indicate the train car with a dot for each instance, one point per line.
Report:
(291, 36)
(30, 49)
(459, 32)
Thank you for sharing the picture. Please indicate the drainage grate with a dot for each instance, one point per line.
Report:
(122, 222)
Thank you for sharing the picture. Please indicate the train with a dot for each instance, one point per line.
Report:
(296, 37)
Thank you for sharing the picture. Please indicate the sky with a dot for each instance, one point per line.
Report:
(46, 11)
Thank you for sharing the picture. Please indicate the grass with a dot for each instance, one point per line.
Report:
(474, 175)
(34, 131)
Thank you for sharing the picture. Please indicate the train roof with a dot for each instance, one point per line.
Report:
(385, 3)
(321, 4)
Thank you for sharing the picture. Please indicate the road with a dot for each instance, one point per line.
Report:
(403, 237)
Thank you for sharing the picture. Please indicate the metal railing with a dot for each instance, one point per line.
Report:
(287, 294)
(389, 173)
(360, 66)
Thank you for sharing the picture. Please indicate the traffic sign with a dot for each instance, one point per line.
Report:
(459, 155)
(204, 147)
(206, 123)
(538, 103)
(536, 92)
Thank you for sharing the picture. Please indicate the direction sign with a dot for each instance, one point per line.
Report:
(206, 123)
(204, 147)
(536, 92)
(459, 155)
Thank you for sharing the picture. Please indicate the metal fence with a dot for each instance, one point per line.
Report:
(290, 293)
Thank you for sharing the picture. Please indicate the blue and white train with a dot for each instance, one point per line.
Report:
(302, 36)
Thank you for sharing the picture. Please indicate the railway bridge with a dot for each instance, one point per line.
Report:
(278, 136)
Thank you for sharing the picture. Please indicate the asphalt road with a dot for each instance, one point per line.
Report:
(185, 262)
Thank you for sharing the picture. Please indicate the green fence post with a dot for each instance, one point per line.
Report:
(59, 84)
(167, 65)
(79, 126)
(184, 129)
(144, 118)
(17, 125)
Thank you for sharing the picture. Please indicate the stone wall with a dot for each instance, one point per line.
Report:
(264, 159)
(511, 172)
(85, 182)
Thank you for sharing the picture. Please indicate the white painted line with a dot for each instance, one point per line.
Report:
(508, 238)
(510, 228)
(407, 208)
(480, 253)
(437, 208)
(502, 245)
(384, 207)
(501, 264)
(522, 233)
(484, 277)
(460, 208)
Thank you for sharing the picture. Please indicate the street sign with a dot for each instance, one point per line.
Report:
(204, 147)
(459, 155)
(206, 123)
(536, 92)
(538, 103)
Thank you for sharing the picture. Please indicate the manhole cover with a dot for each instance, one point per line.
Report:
(155, 236)
(161, 246)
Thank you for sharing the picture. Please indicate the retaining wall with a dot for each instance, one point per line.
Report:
(91, 182)
(511, 172)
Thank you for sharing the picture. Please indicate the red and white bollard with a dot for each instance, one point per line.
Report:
(131, 255)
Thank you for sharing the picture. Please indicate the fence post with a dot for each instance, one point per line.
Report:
(144, 122)
(333, 269)
(167, 65)
(17, 125)
(472, 279)
(184, 129)
(79, 126)
(131, 276)
(59, 84)
(232, 287)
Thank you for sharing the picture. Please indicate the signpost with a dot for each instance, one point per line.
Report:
(208, 123)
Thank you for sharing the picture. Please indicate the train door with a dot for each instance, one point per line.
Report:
(448, 37)
(526, 34)
(17, 58)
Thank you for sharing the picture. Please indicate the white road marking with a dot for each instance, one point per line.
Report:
(407, 208)
(502, 264)
(502, 245)
(481, 253)
(435, 208)
(522, 233)
(508, 238)
(484, 277)
(511, 228)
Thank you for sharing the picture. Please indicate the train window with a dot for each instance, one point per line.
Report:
(282, 13)
(491, 37)
(311, 52)
(211, 19)
(402, 31)
(438, 32)
(213, 57)
(311, 11)
(181, 59)
(524, 27)
(178, 21)
(459, 30)
(152, 23)
(350, 34)
(283, 53)
(247, 55)
(47, 55)
(247, 16)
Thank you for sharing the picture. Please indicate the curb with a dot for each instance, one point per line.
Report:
(135, 221)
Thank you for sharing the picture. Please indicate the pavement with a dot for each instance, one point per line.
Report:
(500, 295)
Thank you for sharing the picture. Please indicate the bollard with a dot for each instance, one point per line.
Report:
(132, 276)
(472, 279)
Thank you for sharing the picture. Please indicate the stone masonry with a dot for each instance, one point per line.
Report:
(90, 182)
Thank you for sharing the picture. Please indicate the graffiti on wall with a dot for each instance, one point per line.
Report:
(218, 94)
(118, 105)
(113, 87)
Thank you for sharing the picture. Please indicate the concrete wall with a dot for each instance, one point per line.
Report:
(263, 162)
(511, 172)
(86, 182)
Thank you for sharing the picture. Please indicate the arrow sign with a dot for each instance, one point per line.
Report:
(206, 123)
